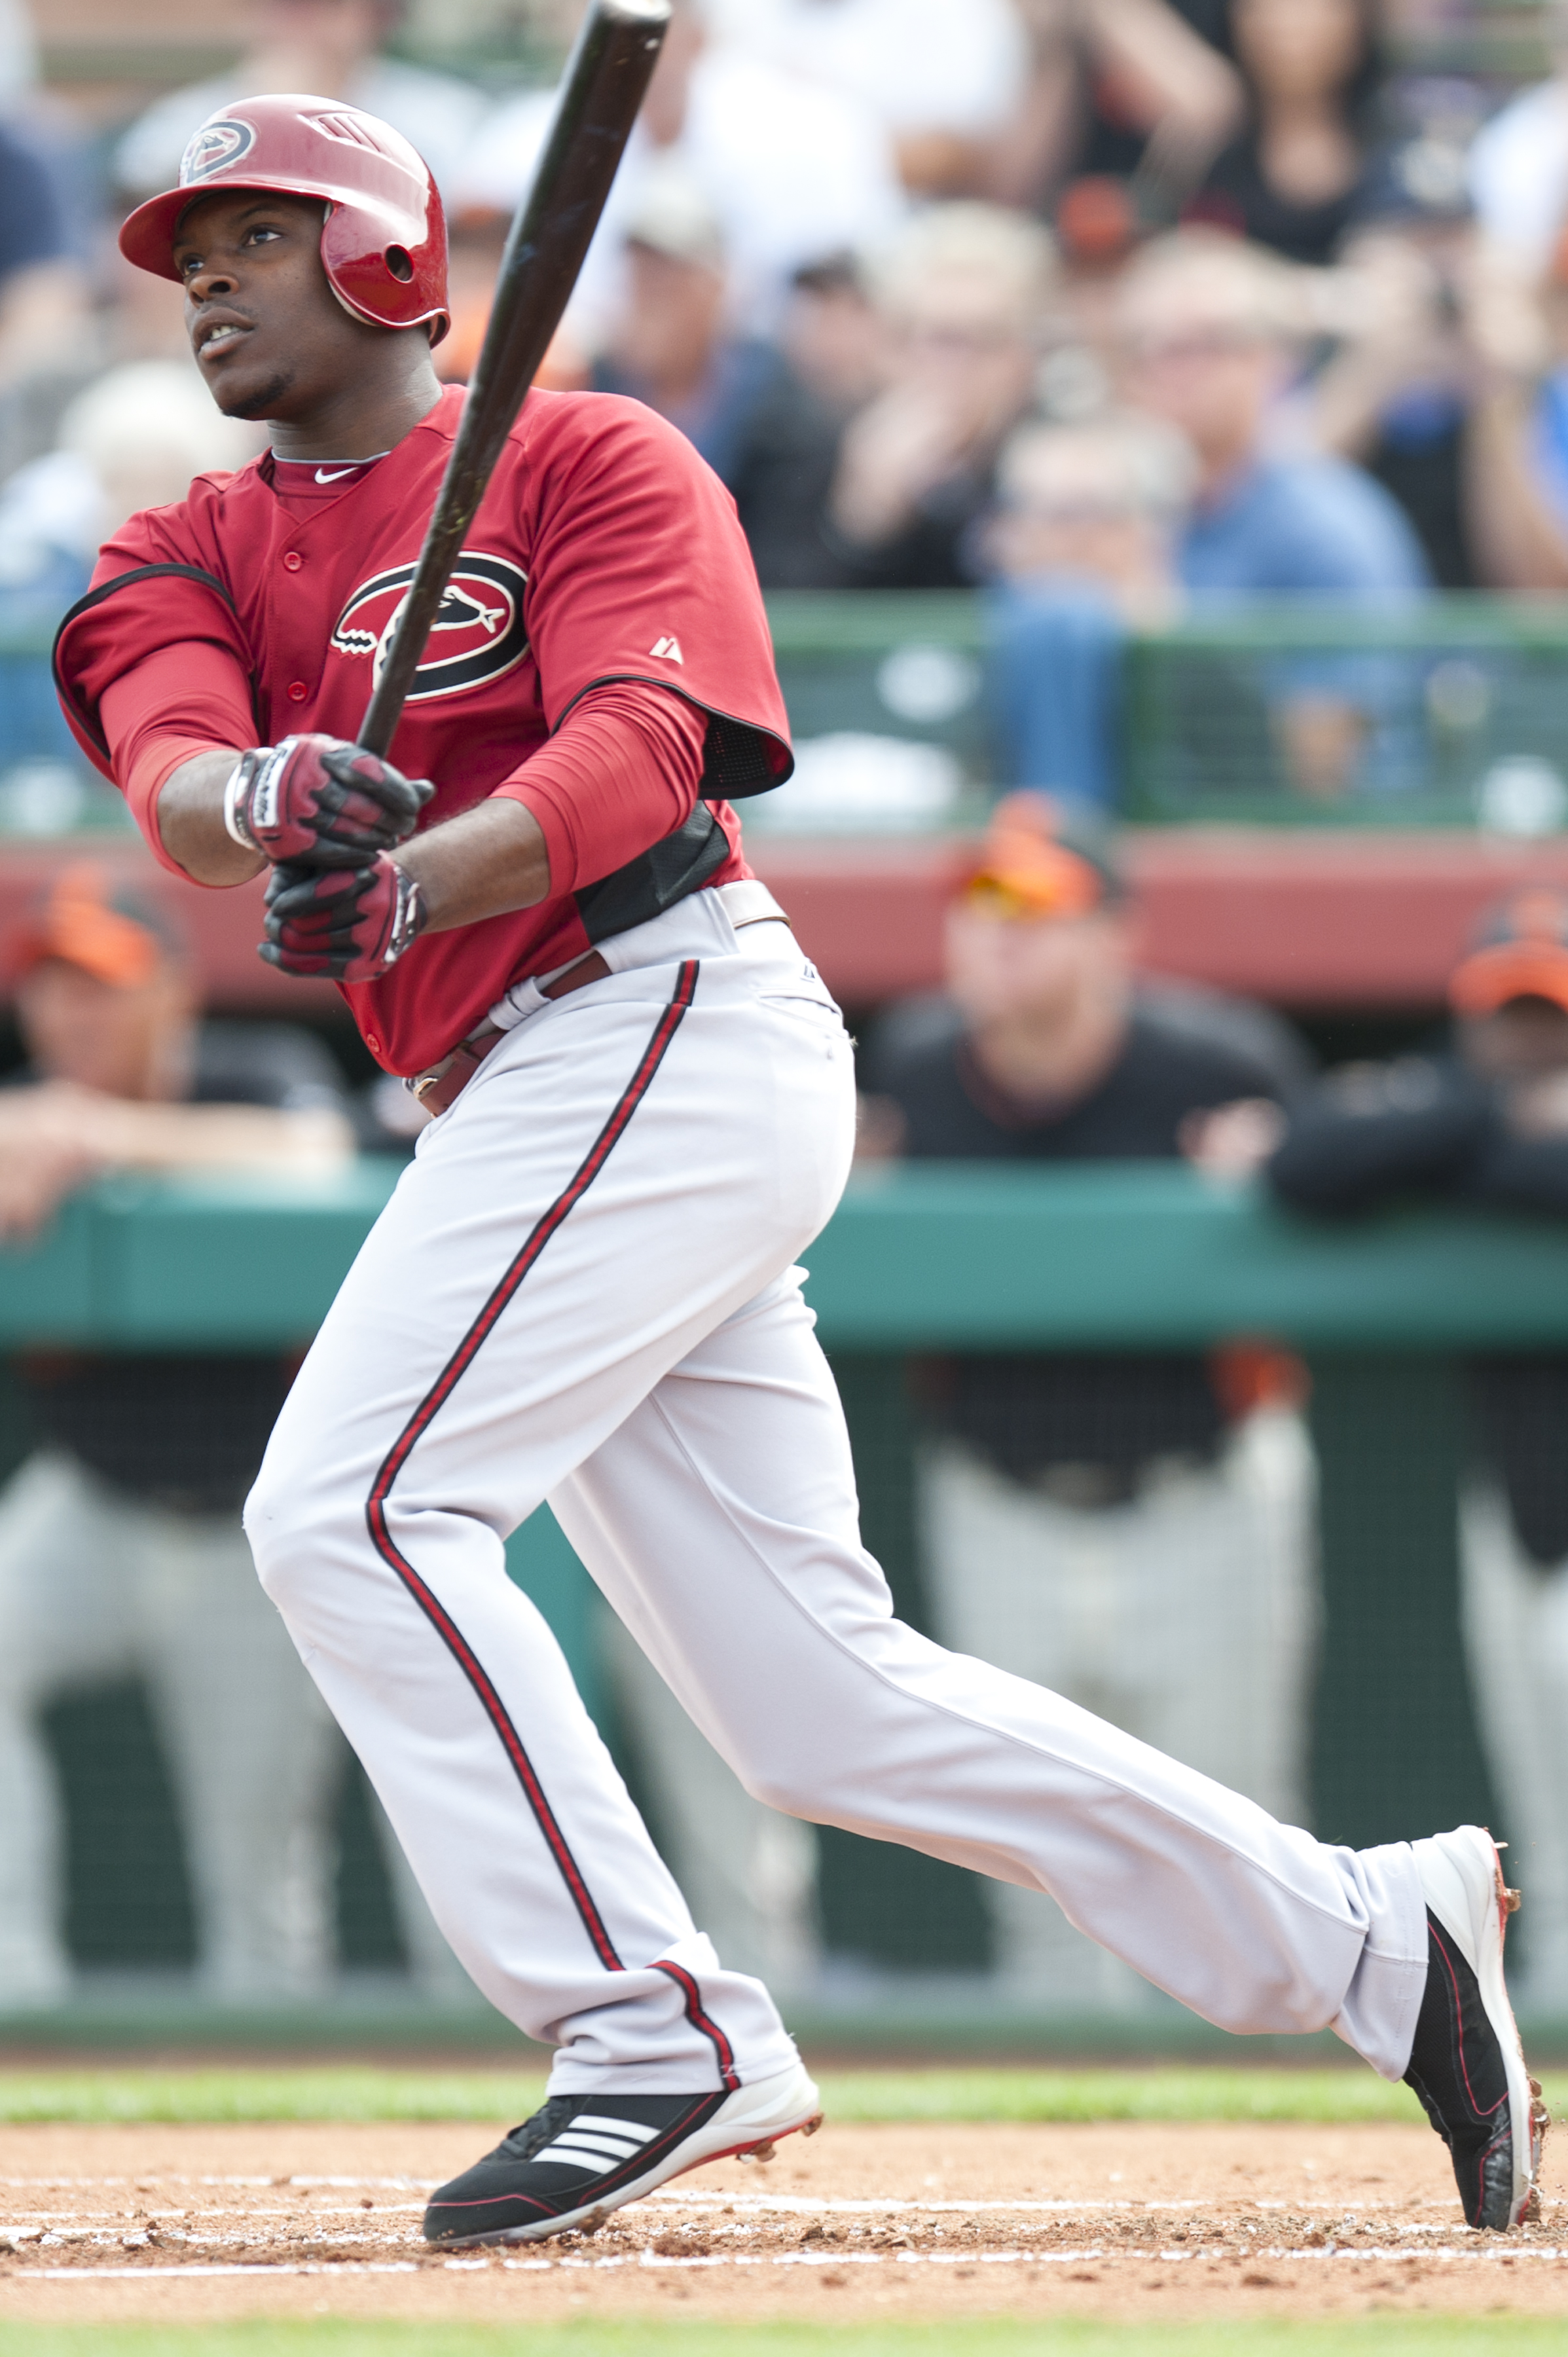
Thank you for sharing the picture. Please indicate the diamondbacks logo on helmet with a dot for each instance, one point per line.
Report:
(478, 632)
(214, 145)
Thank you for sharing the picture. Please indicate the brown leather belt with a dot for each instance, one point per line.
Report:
(443, 1084)
(746, 902)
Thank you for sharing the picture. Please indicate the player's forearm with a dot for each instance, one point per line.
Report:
(481, 864)
(191, 822)
(194, 1138)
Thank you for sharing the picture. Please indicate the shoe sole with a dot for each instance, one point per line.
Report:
(746, 2127)
(1474, 1910)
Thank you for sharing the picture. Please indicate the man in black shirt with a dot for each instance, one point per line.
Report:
(1485, 1122)
(1104, 1524)
(121, 1549)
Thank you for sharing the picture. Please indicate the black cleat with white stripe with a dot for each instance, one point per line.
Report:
(1467, 2065)
(580, 2156)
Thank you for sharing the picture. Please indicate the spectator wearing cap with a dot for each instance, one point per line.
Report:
(1295, 176)
(121, 1549)
(333, 49)
(964, 294)
(769, 440)
(1395, 395)
(1126, 1529)
(1483, 1121)
(1083, 543)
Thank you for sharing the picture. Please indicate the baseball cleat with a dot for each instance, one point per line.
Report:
(1467, 2065)
(580, 2156)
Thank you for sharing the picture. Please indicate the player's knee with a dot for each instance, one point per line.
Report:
(787, 1785)
(280, 1518)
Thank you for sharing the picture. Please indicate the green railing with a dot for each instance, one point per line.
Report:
(942, 1256)
(1447, 711)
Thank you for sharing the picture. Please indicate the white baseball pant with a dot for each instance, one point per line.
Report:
(1181, 1615)
(583, 1290)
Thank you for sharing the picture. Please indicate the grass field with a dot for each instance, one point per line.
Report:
(206, 2096)
(1376, 2336)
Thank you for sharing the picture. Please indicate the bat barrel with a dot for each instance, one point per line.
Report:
(605, 80)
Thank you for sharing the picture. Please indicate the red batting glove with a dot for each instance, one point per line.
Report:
(320, 803)
(349, 923)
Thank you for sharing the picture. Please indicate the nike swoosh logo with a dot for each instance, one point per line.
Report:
(335, 476)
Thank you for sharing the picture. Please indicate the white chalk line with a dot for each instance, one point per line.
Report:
(778, 2204)
(654, 2262)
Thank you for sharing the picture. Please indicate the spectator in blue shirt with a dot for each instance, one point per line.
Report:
(43, 291)
(1208, 335)
(1084, 535)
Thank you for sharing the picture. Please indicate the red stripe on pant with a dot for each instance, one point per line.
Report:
(705, 2022)
(451, 1375)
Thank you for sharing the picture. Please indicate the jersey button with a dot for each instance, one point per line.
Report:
(372, 1043)
(298, 691)
(292, 561)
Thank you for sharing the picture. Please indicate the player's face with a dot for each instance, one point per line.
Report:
(124, 1039)
(1524, 1041)
(1034, 970)
(270, 337)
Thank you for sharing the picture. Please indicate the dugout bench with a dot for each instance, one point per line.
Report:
(918, 1260)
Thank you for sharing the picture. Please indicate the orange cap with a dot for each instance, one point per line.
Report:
(1028, 866)
(1523, 953)
(110, 932)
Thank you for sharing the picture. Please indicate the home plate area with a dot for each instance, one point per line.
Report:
(165, 2222)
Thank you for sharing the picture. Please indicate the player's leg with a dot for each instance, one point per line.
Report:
(255, 1755)
(624, 1172)
(747, 1874)
(721, 1521)
(67, 1573)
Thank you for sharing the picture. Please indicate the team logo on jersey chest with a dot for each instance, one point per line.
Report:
(478, 635)
(215, 144)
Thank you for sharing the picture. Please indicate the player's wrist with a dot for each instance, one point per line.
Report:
(237, 796)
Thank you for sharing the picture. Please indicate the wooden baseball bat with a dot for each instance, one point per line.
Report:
(607, 78)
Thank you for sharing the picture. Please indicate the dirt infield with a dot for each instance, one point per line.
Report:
(162, 2224)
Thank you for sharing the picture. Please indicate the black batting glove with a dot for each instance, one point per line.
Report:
(346, 924)
(319, 801)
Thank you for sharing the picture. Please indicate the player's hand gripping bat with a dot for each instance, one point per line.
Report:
(606, 77)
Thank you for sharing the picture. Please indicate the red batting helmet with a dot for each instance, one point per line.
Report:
(383, 241)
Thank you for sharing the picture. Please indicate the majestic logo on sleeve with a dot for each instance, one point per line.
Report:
(215, 146)
(478, 633)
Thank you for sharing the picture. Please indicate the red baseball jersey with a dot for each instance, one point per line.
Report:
(605, 550)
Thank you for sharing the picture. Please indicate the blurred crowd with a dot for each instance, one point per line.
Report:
(1110, 308)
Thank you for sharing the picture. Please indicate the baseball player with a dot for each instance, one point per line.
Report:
(583, 1288)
